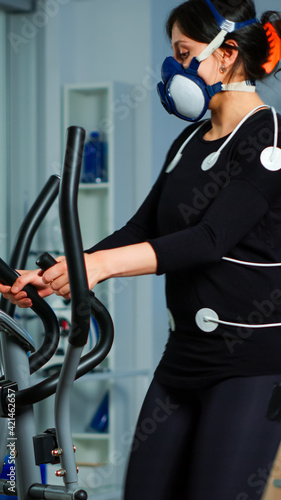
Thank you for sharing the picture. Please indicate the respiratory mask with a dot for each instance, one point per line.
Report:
(183, 92)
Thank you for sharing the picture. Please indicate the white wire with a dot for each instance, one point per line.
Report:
(178, 155)
(228, 323)
(240, 125)
(275, 126)
(275, 133)
(245, 263)
(257, 264)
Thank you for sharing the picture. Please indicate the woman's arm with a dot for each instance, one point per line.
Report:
(131, 260)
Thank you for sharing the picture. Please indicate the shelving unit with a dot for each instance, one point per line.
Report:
(103, 208)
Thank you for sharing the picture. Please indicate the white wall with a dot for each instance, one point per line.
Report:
(110, 40)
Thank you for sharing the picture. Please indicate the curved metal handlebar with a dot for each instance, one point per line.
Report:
(27, 230)
(45, 313)
(88, 362)
(8, 275)
(72, 240)
(84, 303)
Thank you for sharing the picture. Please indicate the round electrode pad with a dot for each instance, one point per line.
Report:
(271, 158)
(203, 320)
(210, 161)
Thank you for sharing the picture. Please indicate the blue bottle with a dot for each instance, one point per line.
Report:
(99, 422)
(93, 169)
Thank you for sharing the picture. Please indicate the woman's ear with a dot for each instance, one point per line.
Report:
(229, 54)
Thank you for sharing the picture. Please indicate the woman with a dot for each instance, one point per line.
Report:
(212, 224)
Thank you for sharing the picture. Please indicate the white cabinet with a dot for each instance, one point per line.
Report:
(104, 208)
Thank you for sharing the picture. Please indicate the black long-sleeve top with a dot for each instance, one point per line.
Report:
(193, 218)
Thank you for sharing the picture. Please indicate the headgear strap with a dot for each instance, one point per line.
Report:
(275, 48)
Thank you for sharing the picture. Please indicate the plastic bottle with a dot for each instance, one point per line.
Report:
(94, 169)
(99, 422)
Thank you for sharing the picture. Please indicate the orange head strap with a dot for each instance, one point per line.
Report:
(275, 48)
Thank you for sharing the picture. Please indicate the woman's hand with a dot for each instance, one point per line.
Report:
(54, 280)
(132, 260)
(17, 295)
(57, 276)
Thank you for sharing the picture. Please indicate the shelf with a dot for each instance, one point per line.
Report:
(84, 436)
(94, 185)
(91, 452)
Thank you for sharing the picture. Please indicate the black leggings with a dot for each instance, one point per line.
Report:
(210, 444)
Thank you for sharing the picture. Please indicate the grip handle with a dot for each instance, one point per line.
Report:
(72, 239)
(45, 261)
(45, 313)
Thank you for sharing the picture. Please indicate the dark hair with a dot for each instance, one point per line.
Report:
(196, 20)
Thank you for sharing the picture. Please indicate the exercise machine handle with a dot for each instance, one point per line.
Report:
(88, 362)
(18, 259)
(28, 228)
(45, 261)
(45, 313)
(32, 221)
(89, 303)
(72, 240)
